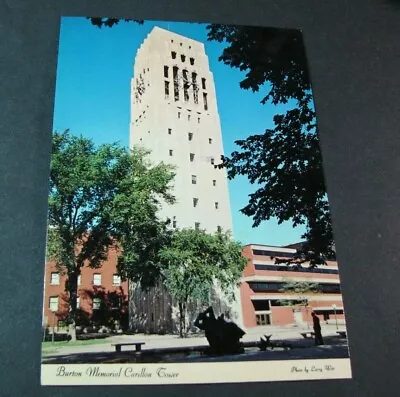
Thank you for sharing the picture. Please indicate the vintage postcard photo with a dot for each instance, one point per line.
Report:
(189, 231)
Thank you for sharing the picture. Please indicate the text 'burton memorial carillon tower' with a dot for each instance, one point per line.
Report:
(174, 114)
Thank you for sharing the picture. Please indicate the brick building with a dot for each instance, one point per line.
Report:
(265, 296)
(102, 295)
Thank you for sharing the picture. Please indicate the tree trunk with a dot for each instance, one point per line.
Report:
(73, 292)
(182, 319)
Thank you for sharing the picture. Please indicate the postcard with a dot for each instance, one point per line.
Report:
(189, 232)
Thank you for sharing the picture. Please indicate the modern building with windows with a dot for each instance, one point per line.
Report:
(174, 114)
(282, 294)
(102, 295)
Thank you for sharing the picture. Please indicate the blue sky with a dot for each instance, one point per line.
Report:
(93, 99)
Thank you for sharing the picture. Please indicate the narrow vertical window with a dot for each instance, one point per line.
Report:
(214, 182)
(170, 152)
(166, 88)
(185, 85)
(198, 120)
(216, 205)
(166, 71)
(197, 225)
(188, 117)
(176, 85)
(190, 136)
(203, 83)
(191, 156)
(194, 179)
(169, 131)
(173, 54)
(210, 141)
(192, 61)
(195, 87)
(183, 58)
(212, 160)
(205, 101)
(195, 201)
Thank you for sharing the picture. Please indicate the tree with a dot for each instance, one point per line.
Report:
(99, 197)
(300, 289)
(284, 162)
(193, 262)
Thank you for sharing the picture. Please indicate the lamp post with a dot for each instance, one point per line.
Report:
(334, 311)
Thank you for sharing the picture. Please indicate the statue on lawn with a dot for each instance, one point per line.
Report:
(222, 335)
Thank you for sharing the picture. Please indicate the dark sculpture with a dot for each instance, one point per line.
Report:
(223, 336)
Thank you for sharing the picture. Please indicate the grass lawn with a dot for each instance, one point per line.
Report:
(53, 345)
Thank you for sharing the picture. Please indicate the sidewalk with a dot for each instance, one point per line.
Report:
(290, 334)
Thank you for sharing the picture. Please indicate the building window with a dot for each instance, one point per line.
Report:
(55, 278)
(195, 201)
(212, 160)
(194, 179)
(173, 54)
(183, 58)
(79, 280)
(188, 117)
(180, 44)
(191, 156)
(170, 152)
(197, 225)
(116, 279)
(174, 223)
(203, 83)
(185, 85)
(179, 115)
(96, 279)
(190, 136)
(78, 302)
(169, 131)
(210, 141)
(205, 101)
(214, 182)
(192, 61)
(166, 71)
(176, 85)
(53, 303)
(219, 229)
(216, 205)
(96, 303)
(198, 120)
(195, 88)
(166, 88)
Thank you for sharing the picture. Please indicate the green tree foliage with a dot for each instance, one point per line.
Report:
(300, 289)
(194, 261)
(100, 197)
(284, 162)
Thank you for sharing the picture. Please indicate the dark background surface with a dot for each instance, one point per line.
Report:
(354, 56)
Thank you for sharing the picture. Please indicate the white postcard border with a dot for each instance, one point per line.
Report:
(162, 373)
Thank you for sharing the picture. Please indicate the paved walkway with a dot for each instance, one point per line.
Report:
(335, 346)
